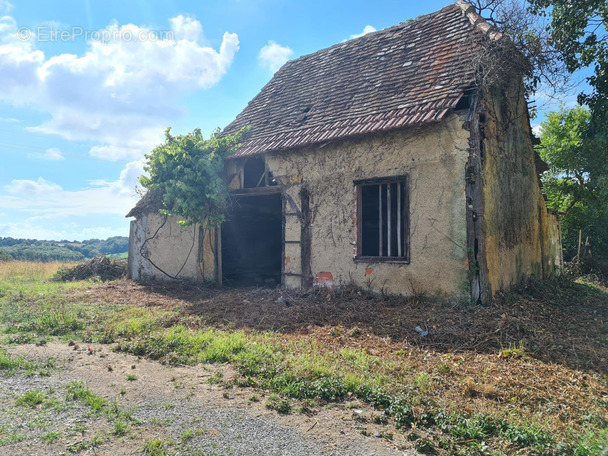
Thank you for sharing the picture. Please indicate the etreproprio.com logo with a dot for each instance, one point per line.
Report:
(50, 34)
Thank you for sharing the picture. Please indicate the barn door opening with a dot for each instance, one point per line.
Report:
(252, 241)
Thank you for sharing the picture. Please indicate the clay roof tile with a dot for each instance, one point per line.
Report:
(413, 72)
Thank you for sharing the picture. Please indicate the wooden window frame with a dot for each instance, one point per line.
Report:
(405, 220)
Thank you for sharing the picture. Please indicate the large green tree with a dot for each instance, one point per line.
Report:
(576, 183)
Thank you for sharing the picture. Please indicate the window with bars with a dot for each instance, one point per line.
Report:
(383, 219)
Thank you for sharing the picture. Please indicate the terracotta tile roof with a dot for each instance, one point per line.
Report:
(408, 74)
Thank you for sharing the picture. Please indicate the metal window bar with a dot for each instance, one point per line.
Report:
(389, 251)
(380, 220)
(399, 185)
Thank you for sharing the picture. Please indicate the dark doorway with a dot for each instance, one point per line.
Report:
(252, 241)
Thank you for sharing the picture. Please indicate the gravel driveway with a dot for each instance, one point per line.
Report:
(158, 410)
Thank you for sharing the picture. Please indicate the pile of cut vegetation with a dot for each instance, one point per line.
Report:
(100, 268)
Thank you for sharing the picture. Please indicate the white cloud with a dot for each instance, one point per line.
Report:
(367, 29)
(273, 55)
(50, 200)
(29, 188)
(53, 154)
(114, 153)
(8, 120)
(122, 92)
(5, 6)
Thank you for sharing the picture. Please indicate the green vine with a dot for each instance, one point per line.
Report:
(188, 171)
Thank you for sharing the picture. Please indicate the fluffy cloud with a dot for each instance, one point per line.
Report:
(124, 90)
(367, 29)
(53, 154)
(30, 188)
(50, 200)
(115, 153)
(41, 209)
(273, 55)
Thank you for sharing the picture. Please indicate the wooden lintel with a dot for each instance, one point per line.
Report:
(256, 191)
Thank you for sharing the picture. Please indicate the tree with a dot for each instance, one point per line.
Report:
(536, 57)
(188, 171)
(5, 256)
(576, 181)
(579, 32)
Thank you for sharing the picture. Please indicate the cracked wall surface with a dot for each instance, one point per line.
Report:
(518, 237)
(158, 243)
(433, 157)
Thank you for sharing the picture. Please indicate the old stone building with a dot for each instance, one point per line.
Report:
(393, 161)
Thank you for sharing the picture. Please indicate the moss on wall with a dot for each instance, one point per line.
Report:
(520, 237)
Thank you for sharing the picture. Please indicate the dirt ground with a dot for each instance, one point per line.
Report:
(566, 331)
(222, 421)
(185, 411)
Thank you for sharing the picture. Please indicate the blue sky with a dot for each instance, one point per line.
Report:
(88, 87)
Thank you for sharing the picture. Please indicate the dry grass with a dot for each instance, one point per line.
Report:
(28, 270)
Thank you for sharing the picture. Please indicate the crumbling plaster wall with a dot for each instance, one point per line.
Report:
(521, 238)
(169, 247)
(434, 157)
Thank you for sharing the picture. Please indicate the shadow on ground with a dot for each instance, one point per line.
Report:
(560, 321)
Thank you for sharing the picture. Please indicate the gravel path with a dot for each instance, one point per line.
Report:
(160, 410)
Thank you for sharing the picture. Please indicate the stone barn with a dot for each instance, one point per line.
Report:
(391, 161)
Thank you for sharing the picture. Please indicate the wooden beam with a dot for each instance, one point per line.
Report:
(256, 191)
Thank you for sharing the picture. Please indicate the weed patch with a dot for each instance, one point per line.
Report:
(78, 391)
(31, 398)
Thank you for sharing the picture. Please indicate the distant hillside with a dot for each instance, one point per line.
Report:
(35, 250)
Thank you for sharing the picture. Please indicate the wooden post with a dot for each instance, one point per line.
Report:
(218, 254)
(578, 253)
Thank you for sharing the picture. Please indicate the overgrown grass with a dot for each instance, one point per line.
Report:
(11, 364)
(412, 389)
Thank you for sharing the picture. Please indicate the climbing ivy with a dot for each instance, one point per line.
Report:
(187, 170)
